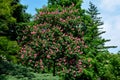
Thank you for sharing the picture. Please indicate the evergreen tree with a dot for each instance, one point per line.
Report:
(92, 37)
(6, 17)
(93, 13)
(12, 13)
(93, 33)
(19, 13)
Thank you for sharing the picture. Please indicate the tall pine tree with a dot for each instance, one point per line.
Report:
(93, 32)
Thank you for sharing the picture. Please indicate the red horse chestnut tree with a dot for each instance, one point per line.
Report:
(54, 43)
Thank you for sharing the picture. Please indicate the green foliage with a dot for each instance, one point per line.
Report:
(10, 71)
(12, 13)
(93, 13)
(92, 35)
(8, 49)
(65, 3)
(5, 15)
(104, 66)
(37, 77)
(18, 71)
(21, 18)
(54, 43)
(115, 62)
(46, 77)
(107, 67)
(62, 40)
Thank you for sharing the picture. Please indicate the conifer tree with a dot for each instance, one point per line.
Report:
(93, 32)
(12, 13)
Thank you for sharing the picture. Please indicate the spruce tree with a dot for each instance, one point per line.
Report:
(93, 33)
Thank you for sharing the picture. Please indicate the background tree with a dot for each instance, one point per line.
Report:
(93, 31)
(19, 13)
(94, 40)
(6, 17)
(12, 14)
(65, 3)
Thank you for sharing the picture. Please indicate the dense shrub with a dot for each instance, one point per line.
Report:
(8, 49)
(10, 71)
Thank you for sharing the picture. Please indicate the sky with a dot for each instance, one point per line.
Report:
(110, 13)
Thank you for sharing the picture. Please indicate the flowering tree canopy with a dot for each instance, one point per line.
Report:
(55, 42)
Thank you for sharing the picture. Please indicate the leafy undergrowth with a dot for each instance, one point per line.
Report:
(10, 71)
(36, 77)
